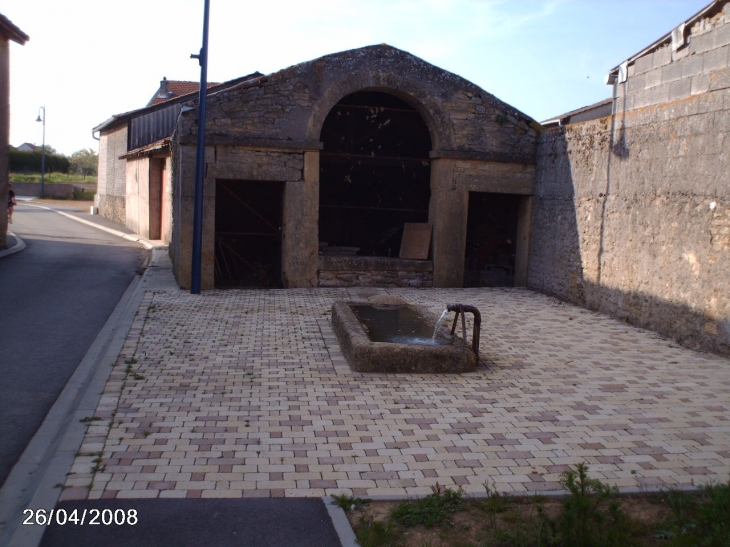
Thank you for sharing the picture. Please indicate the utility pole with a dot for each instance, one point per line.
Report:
(200, 160)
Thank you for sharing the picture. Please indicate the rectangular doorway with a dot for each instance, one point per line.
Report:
(491, 239)
(248, 217)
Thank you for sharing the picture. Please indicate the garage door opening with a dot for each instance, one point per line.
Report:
(248, 234)
(375, 174)
(491, 240)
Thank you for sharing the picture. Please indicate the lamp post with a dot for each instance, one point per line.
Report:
(43, 150)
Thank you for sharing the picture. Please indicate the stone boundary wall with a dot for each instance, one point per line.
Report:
(696, 67)
(362, 271)
(631, 217)
(62, 190)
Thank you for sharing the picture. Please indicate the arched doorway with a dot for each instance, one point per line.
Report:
(374, 174)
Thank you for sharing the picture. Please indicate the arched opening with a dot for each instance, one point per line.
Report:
(374, 174)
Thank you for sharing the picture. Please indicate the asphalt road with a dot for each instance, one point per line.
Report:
(55, 296)
(247, 522)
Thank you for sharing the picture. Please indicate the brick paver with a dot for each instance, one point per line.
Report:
(246, 393)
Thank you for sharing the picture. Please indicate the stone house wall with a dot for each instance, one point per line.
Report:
(111, 185)
(631, 213)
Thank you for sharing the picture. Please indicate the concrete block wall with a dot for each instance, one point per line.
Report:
(695, 68)
(631, 216)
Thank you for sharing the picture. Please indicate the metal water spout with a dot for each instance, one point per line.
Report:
(461, 311)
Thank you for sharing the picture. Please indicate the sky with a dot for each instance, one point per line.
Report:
(89, 59)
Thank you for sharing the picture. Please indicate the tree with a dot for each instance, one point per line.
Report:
(84, 162)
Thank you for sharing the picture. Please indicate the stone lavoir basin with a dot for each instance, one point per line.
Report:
(385, 334)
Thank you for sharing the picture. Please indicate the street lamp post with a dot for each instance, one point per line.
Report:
(43, 150)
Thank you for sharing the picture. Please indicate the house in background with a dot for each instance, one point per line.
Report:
(8, 32)
(134, 160)
(27, 147)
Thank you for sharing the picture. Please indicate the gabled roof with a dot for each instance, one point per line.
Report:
(8, 29)
(171, 89)
(126, 116)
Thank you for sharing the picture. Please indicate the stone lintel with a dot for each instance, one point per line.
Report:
(235, 140)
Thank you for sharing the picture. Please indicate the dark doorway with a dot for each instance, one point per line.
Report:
(248, 233)
(491, 240)
(375, 174)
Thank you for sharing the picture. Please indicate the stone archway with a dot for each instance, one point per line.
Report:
(374, 174)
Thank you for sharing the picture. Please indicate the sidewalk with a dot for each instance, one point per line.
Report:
(246, 393)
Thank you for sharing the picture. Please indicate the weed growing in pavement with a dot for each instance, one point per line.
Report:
(433, 510)
(348, 502)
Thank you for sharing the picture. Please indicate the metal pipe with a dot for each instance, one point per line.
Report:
(461, 309)
(197, 258)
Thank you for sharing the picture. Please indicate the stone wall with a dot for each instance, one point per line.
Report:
(63, 190)
(370, 271)
(111, 185)
(694, 62)
(631, 216)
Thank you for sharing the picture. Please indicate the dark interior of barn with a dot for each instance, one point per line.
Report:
(374, 174)
(248, 233)
(491, 240)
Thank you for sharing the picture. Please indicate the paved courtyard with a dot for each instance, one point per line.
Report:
(246, 393)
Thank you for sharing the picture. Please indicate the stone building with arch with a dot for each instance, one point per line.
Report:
(313, 172)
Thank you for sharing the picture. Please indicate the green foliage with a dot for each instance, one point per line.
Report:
(370, 533)
(590, 517)
(349, 503)
(698, 520)
(30, 162)
(85, 162)
(433, 510)
(494, 503)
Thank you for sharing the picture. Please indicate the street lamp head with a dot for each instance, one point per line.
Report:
(39, 118)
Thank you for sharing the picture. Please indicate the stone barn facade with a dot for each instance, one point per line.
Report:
(313, 174)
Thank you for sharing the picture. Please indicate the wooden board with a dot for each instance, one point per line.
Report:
(416, 240)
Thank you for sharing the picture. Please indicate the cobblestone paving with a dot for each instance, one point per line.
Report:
(246, 393)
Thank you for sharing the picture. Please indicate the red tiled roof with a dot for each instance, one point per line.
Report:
(176, 89)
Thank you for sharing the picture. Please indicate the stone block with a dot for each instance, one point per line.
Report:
(637, 83)
(717, 59)
(643, 64)
(700, 84)
(661, 57)
(692, 65)
(701, 43)
(680, 89)
(721, 35)
(720, 79)
(653, 78)
(671, 72)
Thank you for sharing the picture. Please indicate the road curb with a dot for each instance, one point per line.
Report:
(341, 523)
(19, 245)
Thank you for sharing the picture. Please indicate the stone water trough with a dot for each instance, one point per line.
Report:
(385, 334)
